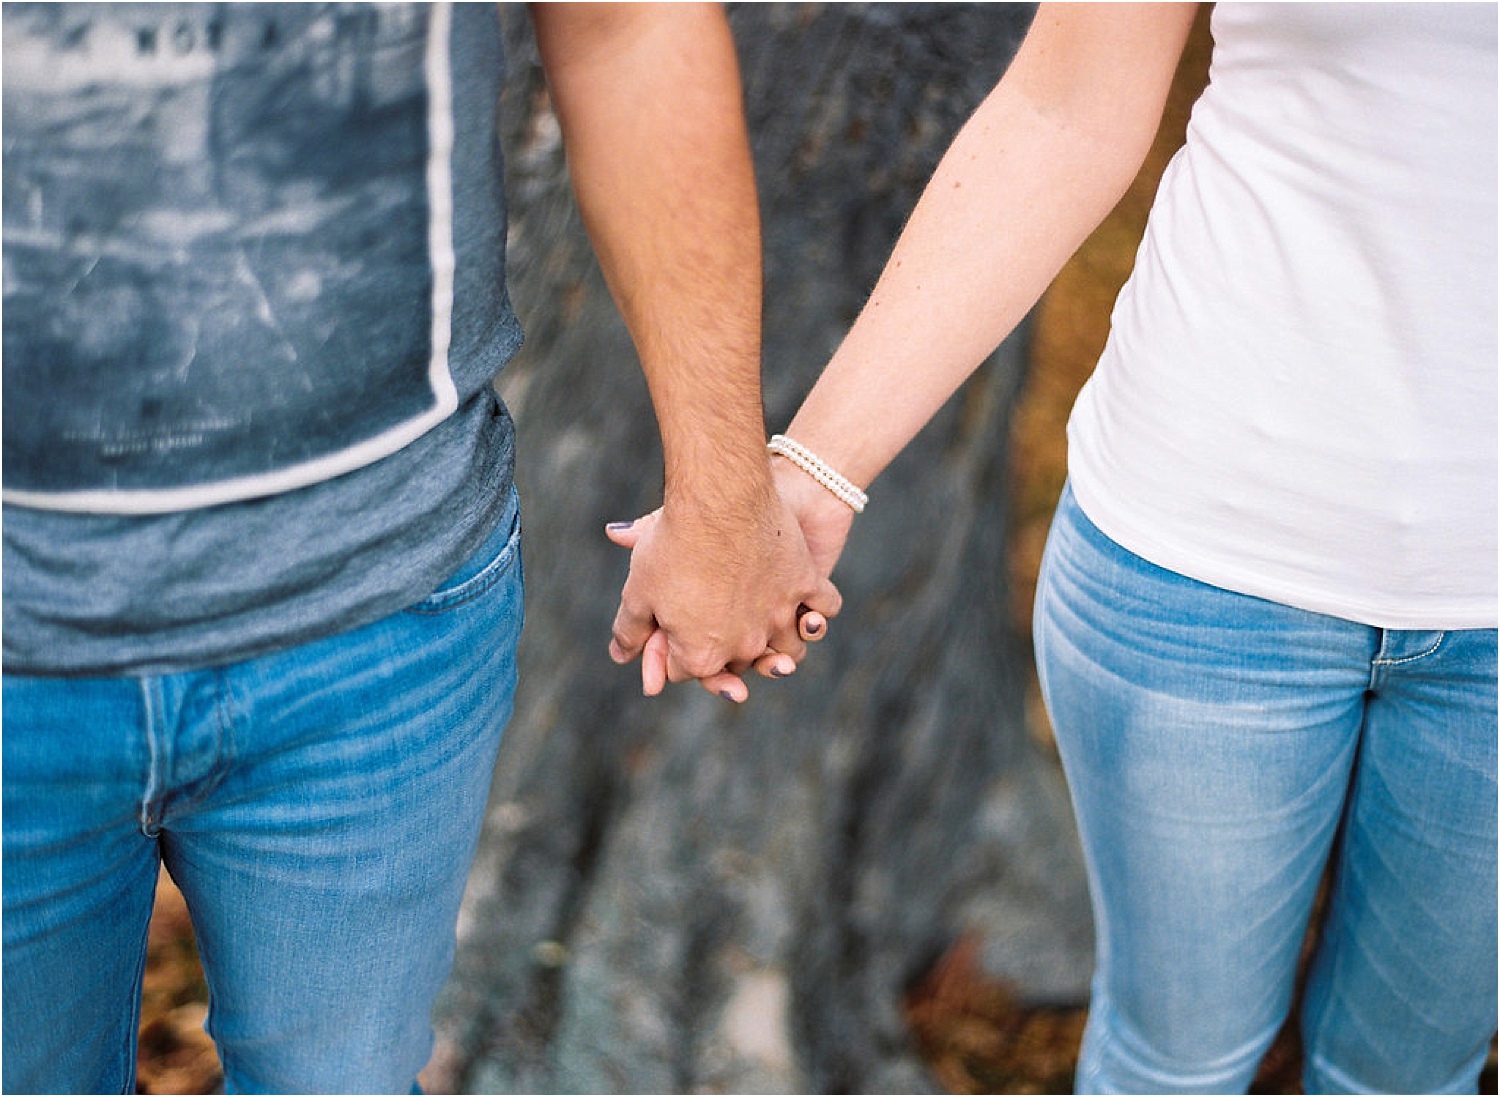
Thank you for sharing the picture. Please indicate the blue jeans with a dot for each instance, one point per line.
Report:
(319, 809)
(1220, 750)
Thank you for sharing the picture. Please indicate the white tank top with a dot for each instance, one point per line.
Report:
(1298, 397)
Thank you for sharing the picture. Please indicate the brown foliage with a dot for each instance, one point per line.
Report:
(176, 1055)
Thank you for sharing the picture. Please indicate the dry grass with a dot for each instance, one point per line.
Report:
(976, 1038)
(176, 1055)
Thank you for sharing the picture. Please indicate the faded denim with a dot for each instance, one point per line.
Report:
(1220, 749)
(318, 807)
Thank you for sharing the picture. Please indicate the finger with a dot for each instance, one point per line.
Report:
(623, 534)
(729, 686)
(812, 626)
(787, 641)
(629, 634)
(654, 664)
(681, 668)
(725, 683)
(826, 599)
(776, 664)
(626, 534)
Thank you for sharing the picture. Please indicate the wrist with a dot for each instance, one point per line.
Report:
(819, 471)
(809, 500)
(727, 495)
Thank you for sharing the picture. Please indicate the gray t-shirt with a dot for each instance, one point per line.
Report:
(253, 303)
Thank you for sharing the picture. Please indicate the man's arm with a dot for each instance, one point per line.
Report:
(649, 99)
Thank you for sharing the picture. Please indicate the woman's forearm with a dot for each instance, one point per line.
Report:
(1030, 175)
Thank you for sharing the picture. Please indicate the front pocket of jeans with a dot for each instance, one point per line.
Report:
(446, 598)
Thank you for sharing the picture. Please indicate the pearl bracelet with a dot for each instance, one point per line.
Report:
(810, 463)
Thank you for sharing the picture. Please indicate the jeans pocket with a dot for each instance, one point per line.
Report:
(493, 559)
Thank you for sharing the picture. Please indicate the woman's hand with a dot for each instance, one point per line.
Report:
(822, 517)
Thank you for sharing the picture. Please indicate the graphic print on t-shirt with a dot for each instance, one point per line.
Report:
(227, 246)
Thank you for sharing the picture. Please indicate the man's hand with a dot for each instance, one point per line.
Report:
(649, 100)
(707, 601)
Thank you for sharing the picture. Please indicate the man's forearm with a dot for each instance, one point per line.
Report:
(650, 105)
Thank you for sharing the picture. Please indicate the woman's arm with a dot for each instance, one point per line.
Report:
(1035, 169)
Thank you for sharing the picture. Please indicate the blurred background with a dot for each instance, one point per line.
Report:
(866, 879)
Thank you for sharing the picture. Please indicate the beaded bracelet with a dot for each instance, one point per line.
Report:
(810, 463)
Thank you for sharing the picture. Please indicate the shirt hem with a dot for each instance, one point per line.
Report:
(1226, 577)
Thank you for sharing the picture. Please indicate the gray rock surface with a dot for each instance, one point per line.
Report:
(682, 895)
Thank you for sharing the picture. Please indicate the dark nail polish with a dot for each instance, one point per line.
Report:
(813, 628)
(724, 693)
(777, 672)
(621, 525)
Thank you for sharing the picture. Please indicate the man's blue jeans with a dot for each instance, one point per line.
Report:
(318, 807)
(1220, 749)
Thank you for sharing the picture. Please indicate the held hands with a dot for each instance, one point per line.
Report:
(708, 600)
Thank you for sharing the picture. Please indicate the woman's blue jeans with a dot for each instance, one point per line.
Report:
(1220, 750)
(319, 809)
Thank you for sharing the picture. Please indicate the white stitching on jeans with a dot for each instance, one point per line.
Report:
(1411, 658)
(155, 778)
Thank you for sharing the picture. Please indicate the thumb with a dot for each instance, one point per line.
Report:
(826, 599)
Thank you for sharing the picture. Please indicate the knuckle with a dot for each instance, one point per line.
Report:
(696, 664)
(703, 668)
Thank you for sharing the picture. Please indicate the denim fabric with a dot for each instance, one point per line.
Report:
(1220, 749)
(318, 807)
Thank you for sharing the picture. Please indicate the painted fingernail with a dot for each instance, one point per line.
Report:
(620, 525)
(777, 672)
(812, 628)
(724, 693)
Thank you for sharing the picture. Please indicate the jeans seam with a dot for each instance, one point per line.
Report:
(442, 601)
(132, 1031)
(1442, 636)
(155, 752)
